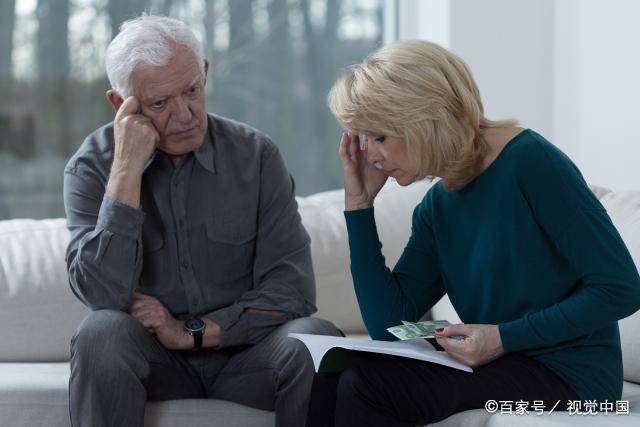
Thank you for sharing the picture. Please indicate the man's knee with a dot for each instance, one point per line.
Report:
(104, 332)
(309, 325)
(293, 351)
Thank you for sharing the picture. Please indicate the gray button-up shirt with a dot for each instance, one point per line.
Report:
(216, 236)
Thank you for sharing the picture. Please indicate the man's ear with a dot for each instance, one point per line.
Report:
(206, 70)
(114, 99)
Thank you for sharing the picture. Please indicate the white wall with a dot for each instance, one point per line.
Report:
(598, 88)
(569, 69)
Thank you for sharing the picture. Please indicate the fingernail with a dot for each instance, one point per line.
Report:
(440, 330)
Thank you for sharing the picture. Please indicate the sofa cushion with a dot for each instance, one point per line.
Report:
(38, 311)
(481, 418)
(35, 395)
(624, 210)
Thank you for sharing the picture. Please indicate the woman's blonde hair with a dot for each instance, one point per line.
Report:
(422, 93)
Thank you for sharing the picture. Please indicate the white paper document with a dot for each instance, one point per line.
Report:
(419, 349)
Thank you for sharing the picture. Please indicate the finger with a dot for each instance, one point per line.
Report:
(129, 107)
(459, 329)
(141, 120)
(142, 312)
(454, 348)
(354, 145)
(144, 297)
(136, 299)
(443, 342)
(458, 357)
(452, 345)
(135, 306)
(151, 320)
(147, 123)
(140, 304)
(145, 321)
(342, 148)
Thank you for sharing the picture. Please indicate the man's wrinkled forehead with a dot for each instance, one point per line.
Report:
(181, 72)
(159, 93)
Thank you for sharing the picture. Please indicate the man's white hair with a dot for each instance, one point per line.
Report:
(146, 39)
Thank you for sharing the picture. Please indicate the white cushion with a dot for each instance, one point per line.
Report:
(624, 210)
(35, 395)
(38, 311)
(481, 418)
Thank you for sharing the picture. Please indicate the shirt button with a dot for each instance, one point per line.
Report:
(185, 264)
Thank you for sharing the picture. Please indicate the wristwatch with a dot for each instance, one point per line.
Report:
(195, 327)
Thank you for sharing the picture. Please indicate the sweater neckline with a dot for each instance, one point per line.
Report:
(504, 150)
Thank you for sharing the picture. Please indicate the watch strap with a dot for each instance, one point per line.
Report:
(197, 340)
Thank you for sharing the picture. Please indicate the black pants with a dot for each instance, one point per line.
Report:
(379, 390)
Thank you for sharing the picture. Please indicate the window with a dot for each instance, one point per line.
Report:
(272, 64)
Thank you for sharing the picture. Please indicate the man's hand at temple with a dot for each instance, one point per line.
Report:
(168, 330)
(136, 139)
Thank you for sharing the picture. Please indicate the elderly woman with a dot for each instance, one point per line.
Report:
(511, 233)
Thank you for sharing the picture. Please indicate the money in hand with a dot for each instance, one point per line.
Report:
(425, 329)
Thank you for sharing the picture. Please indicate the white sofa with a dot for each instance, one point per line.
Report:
(38, 313)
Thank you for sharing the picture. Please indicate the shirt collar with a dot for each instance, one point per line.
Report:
(204, 154)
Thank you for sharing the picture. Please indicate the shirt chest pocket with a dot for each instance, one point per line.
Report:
(154, 262)
(231, 245)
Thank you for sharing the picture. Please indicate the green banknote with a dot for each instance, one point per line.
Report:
(404, 333)
(414, 330)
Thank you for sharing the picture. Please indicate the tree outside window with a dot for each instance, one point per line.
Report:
(272, 64)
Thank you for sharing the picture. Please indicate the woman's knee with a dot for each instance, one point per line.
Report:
(353, 384)
(369, 378)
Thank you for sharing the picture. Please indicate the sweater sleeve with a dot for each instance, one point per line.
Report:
(607, 284)
(387, 297)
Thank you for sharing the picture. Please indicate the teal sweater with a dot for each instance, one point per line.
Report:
(525, 246)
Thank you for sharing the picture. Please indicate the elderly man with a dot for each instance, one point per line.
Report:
(187, 245)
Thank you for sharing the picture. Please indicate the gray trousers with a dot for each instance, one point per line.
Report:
(117, 366)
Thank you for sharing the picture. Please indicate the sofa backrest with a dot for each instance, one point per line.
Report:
(38, 311)
(624, 210)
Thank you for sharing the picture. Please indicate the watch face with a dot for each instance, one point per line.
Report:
(194, 325)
